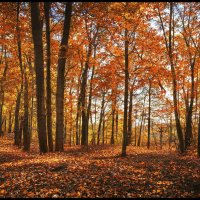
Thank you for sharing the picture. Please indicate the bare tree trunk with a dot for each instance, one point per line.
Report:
(101, 118)
(178, 124)
(16, 125)
(170, 132)
(140, 133)
(103, 130)
(3, 79)
(129, 137)
(168, 44)
(10, 121)
(61, 79)
(136, 129)
(47, 6)
(112, 140)
(90, 93)
(1, 119)
(31, 70)
(124, 142)
(5, 124)
(198, 145)
(39, 68)
(116, 125)
(78, 114)
(21, 130)
(161, 136)
(149, 117)
(84, 139)
(188, 132)
(26, 132)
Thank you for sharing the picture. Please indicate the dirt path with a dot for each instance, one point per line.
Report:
(98, 172)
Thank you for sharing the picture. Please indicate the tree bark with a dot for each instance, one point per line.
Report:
(198, 144)
(178, 124)
(39, 68)
(140, 133)
(188, 131)
(61, 79)
(47, 6)
(101, 119)
(168, 44)
(149, 117)
(112, 140)
(124, 142)
(16, 125)
(129, 137)
(3, 79)
(10, 121)
(90, 93)
(26, 133)
(116, 125)
(84, 139)
(78, 114)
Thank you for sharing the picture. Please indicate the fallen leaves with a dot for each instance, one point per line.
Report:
(97, 172)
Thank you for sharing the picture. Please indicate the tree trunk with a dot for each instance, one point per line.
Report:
(188, 131)
(10, 121)
(90, 93)
(20, 130)
(26, 132)
(178, 124)
(5, 124)
(78, 114)
(48, 76)
(31, 117)
(1, 119)
(124, 142)
(84, 139)
(149, 117)
(116, 125)
(136, 129)
(129, 137)
(101, 118)
(140, 133)
(168, 44)
(112, 140)
(103, 131)
(161, 136)
(198, 145)
(61, 79)
(16, 125)
(39, 68)
(31, 70)
(170, 132)
(3, 79)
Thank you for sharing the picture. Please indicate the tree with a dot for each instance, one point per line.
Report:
(124, 143)
(61, 78)
(48, 76)
(36, 24)
(169, 48)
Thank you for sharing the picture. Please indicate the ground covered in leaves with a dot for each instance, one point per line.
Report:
(97, 172)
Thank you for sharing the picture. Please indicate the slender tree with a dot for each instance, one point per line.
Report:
(61, 79)
(124, 142)
(47, 6)
(36, 24)
(149, 116)
(169, 47)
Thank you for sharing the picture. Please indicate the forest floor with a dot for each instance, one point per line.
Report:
(97, 172)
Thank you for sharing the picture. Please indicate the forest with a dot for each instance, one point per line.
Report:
(99, 99)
